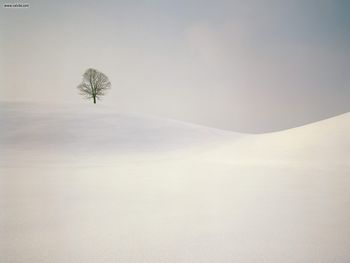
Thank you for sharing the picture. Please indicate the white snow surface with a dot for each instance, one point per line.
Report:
(86, 184)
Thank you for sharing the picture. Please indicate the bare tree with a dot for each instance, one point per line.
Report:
(94, 84)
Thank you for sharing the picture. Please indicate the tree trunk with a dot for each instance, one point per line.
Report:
(95, 99)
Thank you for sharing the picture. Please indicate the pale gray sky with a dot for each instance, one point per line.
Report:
(251, 66)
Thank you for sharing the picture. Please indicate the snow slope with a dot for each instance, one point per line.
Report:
(85, 184)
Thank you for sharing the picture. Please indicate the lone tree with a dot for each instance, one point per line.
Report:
(94, 84)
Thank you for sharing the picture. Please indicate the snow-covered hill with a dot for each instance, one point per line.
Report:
(84, 128)
(85, 184)
(322, 144)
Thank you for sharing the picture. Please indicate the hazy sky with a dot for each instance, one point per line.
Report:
(250, 66)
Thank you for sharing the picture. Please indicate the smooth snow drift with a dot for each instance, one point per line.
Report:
(85, 184)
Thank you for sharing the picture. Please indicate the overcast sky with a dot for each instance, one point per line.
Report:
(252, 66)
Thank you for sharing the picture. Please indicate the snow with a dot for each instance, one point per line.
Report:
(80, 183)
